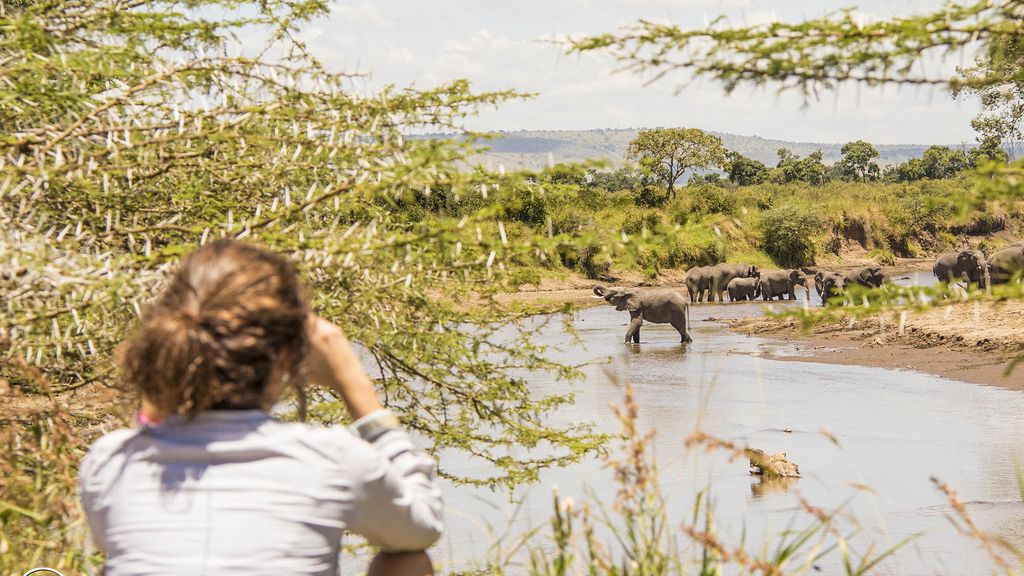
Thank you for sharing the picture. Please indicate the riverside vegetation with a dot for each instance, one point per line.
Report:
(130, 132)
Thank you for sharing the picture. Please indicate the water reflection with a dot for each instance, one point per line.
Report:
(764, 486)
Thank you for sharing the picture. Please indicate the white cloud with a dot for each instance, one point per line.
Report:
(362, 14)
(500, 45)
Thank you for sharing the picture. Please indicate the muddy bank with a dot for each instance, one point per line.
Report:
(971, 342)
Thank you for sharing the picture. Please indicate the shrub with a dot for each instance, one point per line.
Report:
(693, 246)
(650, 259)
(787, 232)
(707, 199)
(985, 223)
(594, 260)
(650, 196)
(883, 256)
(637, 220)
(530, 208)
(569, 220)
(763, 199)
(946, 240)
(599, 198)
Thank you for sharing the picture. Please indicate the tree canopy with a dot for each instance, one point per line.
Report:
(819, 53)
(669, 152)
(130, 133)
(745, 171)
(791, 168)
(858, 161)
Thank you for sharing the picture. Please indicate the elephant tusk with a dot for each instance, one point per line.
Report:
(598, 297)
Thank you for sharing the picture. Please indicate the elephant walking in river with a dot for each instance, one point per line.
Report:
(722, 274)
(955, 266)
(698, 281)
(829, 285)
(1006, 264)
(868, 277)
(657, 305)
(780, 283)
(744, 289)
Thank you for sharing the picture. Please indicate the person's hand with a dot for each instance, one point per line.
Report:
(329, 353)
(331, 362)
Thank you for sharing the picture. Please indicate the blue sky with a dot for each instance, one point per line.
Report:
(507, 44)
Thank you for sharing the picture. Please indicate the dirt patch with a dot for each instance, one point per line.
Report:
(972, 342)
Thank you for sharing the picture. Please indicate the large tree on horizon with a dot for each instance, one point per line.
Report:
(858, 161)
(668, 153)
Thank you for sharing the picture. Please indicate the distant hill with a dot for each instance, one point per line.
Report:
(532, 149)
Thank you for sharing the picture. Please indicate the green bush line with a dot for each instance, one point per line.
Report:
(599, 231)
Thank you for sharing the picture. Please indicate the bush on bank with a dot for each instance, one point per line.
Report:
(601, 230)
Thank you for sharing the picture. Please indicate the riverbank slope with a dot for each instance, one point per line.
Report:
(968, 341)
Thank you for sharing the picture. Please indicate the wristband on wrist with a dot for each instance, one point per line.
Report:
(374, 424)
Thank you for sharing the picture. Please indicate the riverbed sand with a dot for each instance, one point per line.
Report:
(971, 342)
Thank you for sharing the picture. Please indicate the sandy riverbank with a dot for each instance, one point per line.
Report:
(971, 342)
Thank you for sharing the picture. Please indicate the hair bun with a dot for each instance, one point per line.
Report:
(230, 315)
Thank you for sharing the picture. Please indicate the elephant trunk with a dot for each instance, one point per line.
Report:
(600, 291)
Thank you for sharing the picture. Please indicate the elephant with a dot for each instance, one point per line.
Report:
(744, 289)
(657, 305)
(868, 277)
(829, 285)
(698, 281)
(954, 266)
(722, 274)
(819, 281)
(1005, 265)
(778, 283)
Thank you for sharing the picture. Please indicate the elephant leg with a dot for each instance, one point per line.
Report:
(792, 294)
(633, 332)
(680, 326)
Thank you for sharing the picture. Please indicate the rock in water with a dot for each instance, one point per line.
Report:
(773, 466)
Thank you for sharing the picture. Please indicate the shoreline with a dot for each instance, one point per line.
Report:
(974, 344)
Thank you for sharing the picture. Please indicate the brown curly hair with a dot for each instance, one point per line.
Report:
(232, 314)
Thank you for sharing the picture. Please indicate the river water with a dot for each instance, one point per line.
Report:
(895, 429)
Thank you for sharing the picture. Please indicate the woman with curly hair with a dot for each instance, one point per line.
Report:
(210, 482)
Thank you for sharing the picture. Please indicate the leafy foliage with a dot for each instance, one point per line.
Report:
(858, 162)
(129, 133)
(819, 53)
(791, 168)
(744, 171)
(789, 234)
(667, 153)
(1003, 99)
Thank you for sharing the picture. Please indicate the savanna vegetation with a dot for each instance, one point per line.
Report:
(131, 132)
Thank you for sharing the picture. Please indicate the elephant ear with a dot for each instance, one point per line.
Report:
(633, 303)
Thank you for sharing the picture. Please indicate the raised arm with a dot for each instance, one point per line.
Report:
(396, 502)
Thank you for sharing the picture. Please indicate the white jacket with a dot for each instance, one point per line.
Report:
(239, 492)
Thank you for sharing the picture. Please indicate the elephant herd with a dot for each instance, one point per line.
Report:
(748, 282)
(975, 268)
(743, 282)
